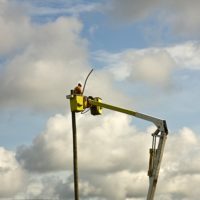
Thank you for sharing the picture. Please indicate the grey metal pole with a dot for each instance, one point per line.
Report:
(157, 162)
(75, 157)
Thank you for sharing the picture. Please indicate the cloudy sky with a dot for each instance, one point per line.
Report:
(145, 56)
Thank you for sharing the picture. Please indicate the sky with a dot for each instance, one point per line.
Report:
(145, 56)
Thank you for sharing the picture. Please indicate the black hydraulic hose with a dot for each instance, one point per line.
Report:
(86, 80)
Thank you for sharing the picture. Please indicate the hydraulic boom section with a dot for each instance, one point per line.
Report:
(79, 103)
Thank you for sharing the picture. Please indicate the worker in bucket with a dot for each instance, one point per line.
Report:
(78, 89)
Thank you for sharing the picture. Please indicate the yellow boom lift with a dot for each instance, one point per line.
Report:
(79, 102)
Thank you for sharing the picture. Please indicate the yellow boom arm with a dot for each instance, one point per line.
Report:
(80, 103)
(161, 124)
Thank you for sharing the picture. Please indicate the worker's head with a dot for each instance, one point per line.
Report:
(79, 84)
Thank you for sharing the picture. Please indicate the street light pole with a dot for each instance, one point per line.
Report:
(75, 156)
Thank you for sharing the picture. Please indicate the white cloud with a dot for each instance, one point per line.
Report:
(13, 178)
(181, 17)
(93, 134)
(131, 11)
(46, 62)
(181, 166)
(151, 66)
(186, 146)
(186, 55)
(49, 146)
(113, 155)
(122, 185)
(48, 8)
(49, 57)
(65, 189)
(15, 28)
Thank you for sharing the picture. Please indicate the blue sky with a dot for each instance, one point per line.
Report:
(145, 56)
